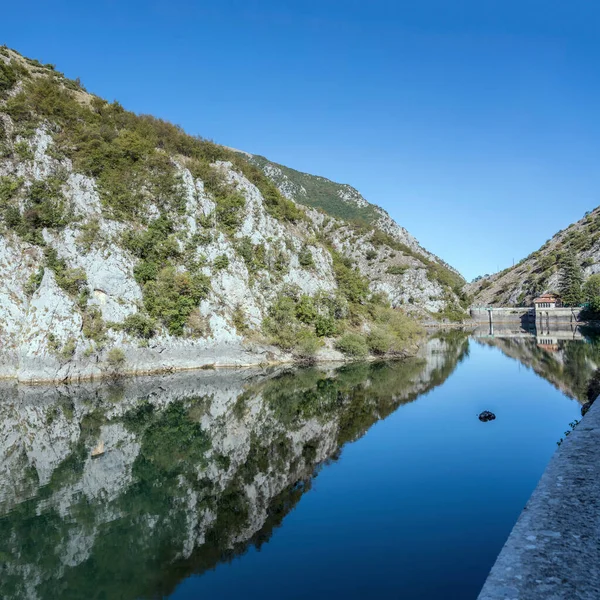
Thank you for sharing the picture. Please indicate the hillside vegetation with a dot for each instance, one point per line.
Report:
(572, 251)
(368, 227)
(338, 200)
(127, 244)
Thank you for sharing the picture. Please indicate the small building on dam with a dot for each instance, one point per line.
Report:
(546, 301)
(547, 310)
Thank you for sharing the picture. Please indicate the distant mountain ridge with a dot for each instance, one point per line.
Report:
(339, 200)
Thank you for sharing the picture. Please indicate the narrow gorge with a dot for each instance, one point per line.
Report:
(128, 246)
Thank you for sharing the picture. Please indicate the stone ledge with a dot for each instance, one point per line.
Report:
(553, 552)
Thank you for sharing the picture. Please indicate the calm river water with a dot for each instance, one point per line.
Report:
(369, 480)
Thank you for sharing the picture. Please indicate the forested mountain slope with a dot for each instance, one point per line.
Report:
(127, 245)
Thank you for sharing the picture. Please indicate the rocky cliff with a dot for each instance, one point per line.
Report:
(128, 246)
(539, 272)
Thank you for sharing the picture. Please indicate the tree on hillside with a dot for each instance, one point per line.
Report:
(571, 280)
(591, 291)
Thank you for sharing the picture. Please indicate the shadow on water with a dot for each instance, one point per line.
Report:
(197, 468)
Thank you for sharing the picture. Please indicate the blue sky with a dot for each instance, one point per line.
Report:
(475, 123)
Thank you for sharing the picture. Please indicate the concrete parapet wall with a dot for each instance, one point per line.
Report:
(554, 549)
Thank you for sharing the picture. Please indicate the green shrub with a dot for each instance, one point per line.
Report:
(68, 350)
(396, 269)
(239, 319)
(23, 151)
(140, 325)
(353, 345)
(281, 324)
(34, 282)
(307, 344)
(305, 310)
(115, 359)
(89, 234)
(44, 207)
(254, 255)
(230, 210)
(146, 270)
(591, 290)
(587, 262)
(371, 255)
(221, 262)
(156, 242)
(53, 343)
(63, 352)
(454, 313)
(94, 327)
(173, 296)
(380, 341)
(325, 326)
(9, 186)
(8, 77)
(246, 250)
(213, 178)
(280, 263)
(305, 258)
(283, 309)
(350, 281)
(403, 329)
(260, 256)
(72, 281)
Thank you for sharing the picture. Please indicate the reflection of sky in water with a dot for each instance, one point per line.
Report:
(421, 505)
(198, 470)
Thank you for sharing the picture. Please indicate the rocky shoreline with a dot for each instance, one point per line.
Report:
(137, 362)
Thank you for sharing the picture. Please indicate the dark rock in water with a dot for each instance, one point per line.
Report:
(486, 416)
(585, 408)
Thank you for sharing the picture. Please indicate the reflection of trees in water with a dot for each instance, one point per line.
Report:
(569, 367)
(201, 478)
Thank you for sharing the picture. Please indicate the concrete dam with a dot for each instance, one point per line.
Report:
(527, 317)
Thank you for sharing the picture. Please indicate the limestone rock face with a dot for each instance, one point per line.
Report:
(27, 320)
(72, 280)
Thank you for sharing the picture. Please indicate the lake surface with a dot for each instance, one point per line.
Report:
(368, 480)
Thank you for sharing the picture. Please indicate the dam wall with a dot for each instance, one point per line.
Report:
(503, 315)
(527, 317)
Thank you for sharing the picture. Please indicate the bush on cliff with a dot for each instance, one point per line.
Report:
(353, 345)
(173, 295)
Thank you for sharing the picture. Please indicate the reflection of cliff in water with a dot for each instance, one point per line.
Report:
(567, 358)
(197, 468)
